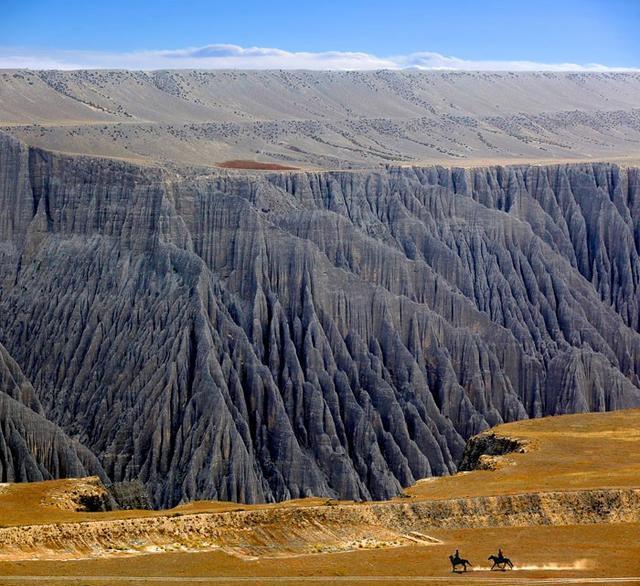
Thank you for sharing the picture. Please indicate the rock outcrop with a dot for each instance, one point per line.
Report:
(85, 495)
(130, 494)
(482, 451)
(264, 336)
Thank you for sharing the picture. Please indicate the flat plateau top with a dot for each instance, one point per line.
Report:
(326, 120)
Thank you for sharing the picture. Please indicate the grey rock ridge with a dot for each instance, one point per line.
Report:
(31, 447)
(265, 336)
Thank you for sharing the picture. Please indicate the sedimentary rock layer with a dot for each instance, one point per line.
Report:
(308, 530)
(263, 336)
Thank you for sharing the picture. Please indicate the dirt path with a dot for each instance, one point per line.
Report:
(484, 581)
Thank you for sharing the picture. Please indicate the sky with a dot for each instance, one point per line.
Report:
(347, 34)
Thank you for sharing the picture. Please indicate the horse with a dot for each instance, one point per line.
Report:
(455, 562)
(500, 561)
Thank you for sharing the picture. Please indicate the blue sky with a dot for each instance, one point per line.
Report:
(352, 34)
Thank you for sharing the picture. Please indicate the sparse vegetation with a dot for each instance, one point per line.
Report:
(327, 119)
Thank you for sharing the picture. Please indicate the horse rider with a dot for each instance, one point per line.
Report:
(456, 556)
(500, 554)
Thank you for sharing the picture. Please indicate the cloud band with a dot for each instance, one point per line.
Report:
(225, 56)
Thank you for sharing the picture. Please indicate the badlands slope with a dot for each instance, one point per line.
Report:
(257, 337)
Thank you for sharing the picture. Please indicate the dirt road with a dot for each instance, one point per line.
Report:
(501, 579)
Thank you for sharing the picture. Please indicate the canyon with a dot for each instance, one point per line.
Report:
(260, 336)
(261, 286)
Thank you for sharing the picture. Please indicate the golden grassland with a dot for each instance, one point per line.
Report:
(568, 453)
(571, 452)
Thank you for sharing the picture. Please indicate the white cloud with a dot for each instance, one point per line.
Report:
(222, 56)
(427, 60)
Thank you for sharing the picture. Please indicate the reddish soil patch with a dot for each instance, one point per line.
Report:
(243, 164)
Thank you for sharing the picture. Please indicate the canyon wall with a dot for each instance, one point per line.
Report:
(263, 336)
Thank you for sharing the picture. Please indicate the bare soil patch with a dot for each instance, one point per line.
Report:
(254, 165)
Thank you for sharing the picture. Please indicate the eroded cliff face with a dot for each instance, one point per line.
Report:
(270, 336)
(31, 447)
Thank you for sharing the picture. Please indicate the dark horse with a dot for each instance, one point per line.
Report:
(458, 561)
(500, 562)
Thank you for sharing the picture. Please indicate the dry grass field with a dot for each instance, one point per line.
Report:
(571, 452)
(272, 544)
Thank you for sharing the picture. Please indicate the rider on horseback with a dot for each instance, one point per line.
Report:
(500, 561)
(457, 560)
(456, 557)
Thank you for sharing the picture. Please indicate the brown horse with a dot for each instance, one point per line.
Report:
(458, 561)
(500, 562)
